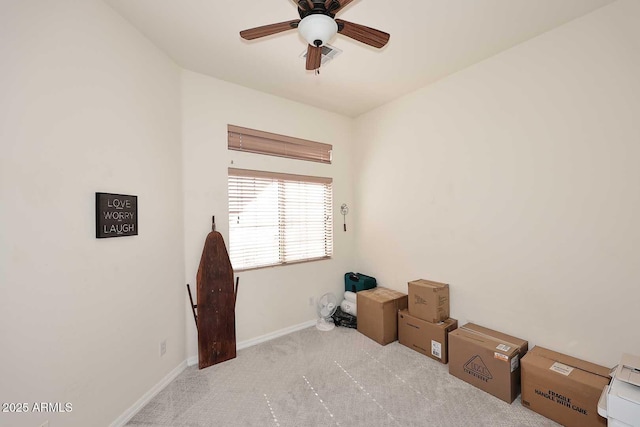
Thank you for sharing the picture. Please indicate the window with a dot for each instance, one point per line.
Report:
(257, 141)
(277, 218)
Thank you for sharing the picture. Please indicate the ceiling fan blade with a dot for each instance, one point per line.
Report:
(267, 30)
(366, 35)
(343, 3)
(314, 57)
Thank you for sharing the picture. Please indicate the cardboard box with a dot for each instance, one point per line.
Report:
(430, 339)
(429, 300)
(378, 313)
(563, 388)
(487, 359)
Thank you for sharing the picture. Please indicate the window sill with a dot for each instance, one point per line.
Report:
(282, 264)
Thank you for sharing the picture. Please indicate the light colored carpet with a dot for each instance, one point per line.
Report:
(341, 378)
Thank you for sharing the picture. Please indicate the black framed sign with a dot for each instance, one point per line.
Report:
(116, 215)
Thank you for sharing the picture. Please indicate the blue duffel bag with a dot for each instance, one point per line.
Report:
(356, 282)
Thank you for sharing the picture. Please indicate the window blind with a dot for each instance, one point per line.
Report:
(255, 141)
(277, 218)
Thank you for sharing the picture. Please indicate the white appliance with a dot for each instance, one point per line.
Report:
(620, 400)
(327, 305)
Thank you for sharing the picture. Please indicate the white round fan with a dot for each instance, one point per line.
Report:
(327, 305)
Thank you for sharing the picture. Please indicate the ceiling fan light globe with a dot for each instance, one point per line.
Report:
(317, 28)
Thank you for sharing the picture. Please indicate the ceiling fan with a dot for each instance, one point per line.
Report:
(317, 25)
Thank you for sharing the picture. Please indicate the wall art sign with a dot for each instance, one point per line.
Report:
(116, 215)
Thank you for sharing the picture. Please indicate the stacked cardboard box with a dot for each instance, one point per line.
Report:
(425, 326)
(429, 300)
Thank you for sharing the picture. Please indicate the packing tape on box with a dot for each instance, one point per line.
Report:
(491, 337)
(349, 307)
(350, 296)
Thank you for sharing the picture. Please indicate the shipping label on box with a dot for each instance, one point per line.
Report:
(378, 313)
(430, 339)
(563, 388)
(487, 359)
(429, 300)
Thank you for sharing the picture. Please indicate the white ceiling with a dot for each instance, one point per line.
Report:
(429, 40)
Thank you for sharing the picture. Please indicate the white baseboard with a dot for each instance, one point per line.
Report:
(263, 338)
(129, 413)
(146, 398)
(275, 334)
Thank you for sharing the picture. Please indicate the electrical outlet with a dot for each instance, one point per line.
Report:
(163, 347)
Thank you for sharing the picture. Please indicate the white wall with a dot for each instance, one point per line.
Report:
(276, 298)
(517, 182)
(87, 104)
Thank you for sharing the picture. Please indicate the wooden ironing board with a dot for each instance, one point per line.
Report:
(216, 319)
